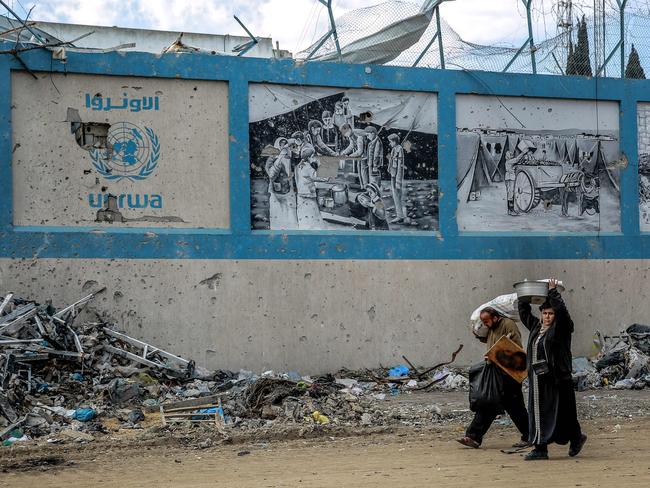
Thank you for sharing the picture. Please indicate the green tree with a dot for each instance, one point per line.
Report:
(570, 61)
(633, 68)
(581, 58)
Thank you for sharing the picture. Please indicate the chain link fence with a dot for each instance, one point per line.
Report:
(403, 33)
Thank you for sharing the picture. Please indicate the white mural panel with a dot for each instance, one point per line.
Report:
(541, 165)
(335, 159)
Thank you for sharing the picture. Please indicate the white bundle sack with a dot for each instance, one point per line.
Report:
(506, 305)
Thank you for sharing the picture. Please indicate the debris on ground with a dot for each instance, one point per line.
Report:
(65, 379)
(623, 361)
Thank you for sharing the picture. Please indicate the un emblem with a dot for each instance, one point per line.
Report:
(131, 153)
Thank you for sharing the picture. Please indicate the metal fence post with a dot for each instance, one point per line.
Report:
(530, 41)
(332, 32)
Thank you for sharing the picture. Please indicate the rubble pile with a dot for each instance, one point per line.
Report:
(623, 361)
(62, 378)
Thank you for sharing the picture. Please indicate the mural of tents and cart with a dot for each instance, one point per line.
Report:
(581, 165)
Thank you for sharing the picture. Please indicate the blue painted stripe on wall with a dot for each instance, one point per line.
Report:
(629, 181)
(239, 242)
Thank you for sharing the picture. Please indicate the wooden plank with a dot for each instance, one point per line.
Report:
(194, 402)
(169, 416)
(170, 411)
(509, 357)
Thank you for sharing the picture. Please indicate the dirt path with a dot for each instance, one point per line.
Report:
(616, 455)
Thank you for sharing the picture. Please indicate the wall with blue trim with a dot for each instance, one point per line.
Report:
(233, 297)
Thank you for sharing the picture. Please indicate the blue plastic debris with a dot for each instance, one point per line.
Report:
(84, 414)
(207, 411)
(397, 371)
(77, 376)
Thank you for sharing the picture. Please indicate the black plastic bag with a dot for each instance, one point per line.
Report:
(485, 387)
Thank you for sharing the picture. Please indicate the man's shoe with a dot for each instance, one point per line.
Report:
(574, 449)
(536, 455)
(469, 442)
(522, 444)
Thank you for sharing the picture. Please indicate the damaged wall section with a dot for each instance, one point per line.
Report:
(160, 147)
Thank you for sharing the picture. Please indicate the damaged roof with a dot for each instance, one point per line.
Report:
(101, 38)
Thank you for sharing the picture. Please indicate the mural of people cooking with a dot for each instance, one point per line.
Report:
(528, 164)
(334, 159)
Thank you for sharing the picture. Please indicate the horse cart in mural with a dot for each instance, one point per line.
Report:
(537, 180)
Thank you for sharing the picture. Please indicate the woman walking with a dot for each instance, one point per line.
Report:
(551, 400)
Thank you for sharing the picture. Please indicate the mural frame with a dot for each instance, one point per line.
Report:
(239, 242)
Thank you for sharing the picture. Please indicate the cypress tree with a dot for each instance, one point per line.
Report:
(581, 54)
(570, 61)
(633, 68)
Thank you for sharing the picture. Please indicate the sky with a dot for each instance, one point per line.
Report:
(294, 23)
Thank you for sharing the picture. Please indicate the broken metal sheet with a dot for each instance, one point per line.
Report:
(5, 302)
(20, 310)
(6, 409)
(13, 326)
(179, 47)
(11, 342)
(10, 428)
(39, 324)
(56, 352)
(148, 349)
(74, 306)
(134, 357)
(383, 45)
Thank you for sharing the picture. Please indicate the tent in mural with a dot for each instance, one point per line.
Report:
(552, 152)
(499, 173)
(398, 110)
(572, 157)
(473, 171)
(495, 147)
(513, 142)
(560, 150)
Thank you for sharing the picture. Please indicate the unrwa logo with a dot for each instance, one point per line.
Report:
(130, 153)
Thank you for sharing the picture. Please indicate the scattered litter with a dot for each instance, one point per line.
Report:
(320, 418)
(398, 371)
(622, 362)
(84, 414)
(64, 378)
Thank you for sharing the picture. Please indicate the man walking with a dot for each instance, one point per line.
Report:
(512, 400)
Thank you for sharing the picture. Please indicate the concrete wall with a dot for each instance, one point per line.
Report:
(209, 287)
(153, 41)
(315, 316)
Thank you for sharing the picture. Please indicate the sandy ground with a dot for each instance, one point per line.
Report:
(615, 455)
(612, 456)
